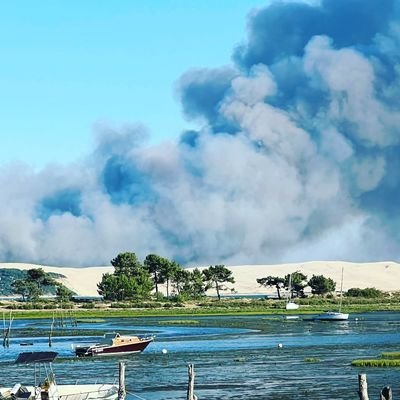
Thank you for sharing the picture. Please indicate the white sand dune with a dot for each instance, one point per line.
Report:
(381, 275)
(384, 276)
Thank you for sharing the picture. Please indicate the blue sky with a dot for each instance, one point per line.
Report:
(66, 65)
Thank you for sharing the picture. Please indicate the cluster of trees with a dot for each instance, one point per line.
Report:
(367, 292)
(297, 282)
(37, 282)
(133, 280)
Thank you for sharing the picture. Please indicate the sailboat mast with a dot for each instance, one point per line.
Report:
(290, 288)
(341, 292)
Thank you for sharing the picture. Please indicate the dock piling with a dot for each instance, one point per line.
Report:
(190, 389)
(386, 393)
(363, 387)
(121, 388)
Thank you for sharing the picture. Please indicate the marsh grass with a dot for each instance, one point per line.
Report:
(377, 362)
(391, 355)
(213, 307)
(311, 360)
(179, 322)
(386, 359)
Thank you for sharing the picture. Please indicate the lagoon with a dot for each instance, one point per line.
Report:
(235, 357)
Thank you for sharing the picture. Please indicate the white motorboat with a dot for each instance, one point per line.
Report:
(46, 388)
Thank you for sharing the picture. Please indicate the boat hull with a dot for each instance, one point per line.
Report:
(104, 350)
(66, 392)
(291, 306)
(331, 316)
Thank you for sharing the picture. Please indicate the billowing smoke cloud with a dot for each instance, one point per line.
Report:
(296, 158)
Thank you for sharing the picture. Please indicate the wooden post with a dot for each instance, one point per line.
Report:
(363, 387)
(121, 388)
(386, 393)
(190, 389)
(7, 332)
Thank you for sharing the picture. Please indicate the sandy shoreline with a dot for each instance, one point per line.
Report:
(381, 275)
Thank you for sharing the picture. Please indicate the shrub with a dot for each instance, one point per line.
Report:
(367, 292)
(120, 305)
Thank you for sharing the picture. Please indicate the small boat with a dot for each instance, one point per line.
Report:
(114, 344)
(46, 388)
(334, 315)
(331, 316)
(290, 305)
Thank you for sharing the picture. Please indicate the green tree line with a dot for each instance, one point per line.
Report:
(135, 280)
(38, 282)
(319, 284)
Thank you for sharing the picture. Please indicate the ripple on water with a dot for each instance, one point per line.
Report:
(238, 362)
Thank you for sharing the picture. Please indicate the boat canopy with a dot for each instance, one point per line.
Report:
(36, 357)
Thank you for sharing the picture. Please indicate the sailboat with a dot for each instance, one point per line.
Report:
(290, 305)
(334, 315)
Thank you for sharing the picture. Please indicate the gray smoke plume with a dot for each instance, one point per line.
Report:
(296, 157)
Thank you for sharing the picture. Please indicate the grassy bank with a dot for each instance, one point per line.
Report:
(204, 307)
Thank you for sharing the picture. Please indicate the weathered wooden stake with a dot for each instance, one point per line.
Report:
(51, 331)
(7, 332)
(190, 389)
(386, 393)
(363, 387)
(121, 388)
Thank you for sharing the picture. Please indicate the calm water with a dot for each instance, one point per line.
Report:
(234, 357)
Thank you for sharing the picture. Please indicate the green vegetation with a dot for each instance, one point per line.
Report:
(393, 354)
(130, 280)
(376, 362)
(273, 281)
(10, 275)
(311, 360)
(205, 306)
(367, 292)
(128, 292)
(179, 322)
(33, 283)
(215, 276)
(154, 264)
(388, 359)
(7, 277)
(297, 282)
(321, 285)
(134, 281)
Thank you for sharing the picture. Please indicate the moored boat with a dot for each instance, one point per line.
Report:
(46, 388)
(290, 305)
(115, 344)
(334, 315)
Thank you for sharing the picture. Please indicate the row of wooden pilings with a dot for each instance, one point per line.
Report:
(121, 382)
(385, 394)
